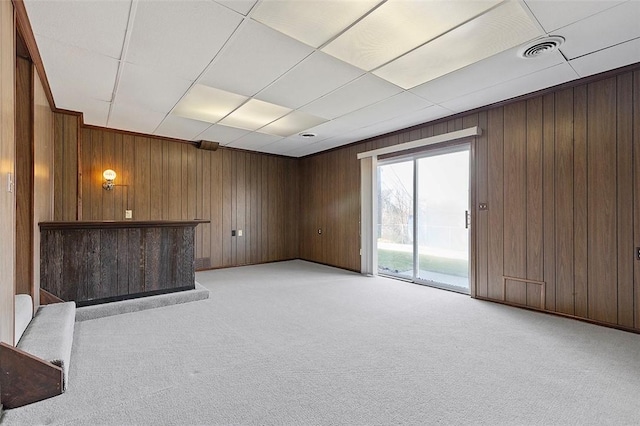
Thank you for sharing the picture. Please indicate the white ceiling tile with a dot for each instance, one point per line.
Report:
(96, 26)
(361, 92)
(149, 88)
(283, 146)
(486, 73)
(255, 57)
(501, 28)
(398, 26)
(554, 14)
(400, 104)
(314, 77)
(181, 128)
(222, 134)
(312, 22)
(604, 60)
(292, 123)
(240, 6)
(91, 76)
(181, 37)
(321, 146)
(253, 141)
(615, 25)
(530, 83)
(133, 118)
(419, 117)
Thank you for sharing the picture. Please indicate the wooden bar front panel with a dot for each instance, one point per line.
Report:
(103, 263)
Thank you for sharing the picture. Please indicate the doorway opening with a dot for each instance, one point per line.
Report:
(423, 217)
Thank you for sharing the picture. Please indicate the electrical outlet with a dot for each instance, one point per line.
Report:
(239, 232)
(233, 232)
(128, 214)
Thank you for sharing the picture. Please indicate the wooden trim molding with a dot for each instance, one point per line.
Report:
(446, 137)
(24, 27)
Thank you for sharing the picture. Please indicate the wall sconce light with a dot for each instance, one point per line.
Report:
(109, 176)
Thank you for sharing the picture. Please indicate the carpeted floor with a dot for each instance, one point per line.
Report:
(296, 343)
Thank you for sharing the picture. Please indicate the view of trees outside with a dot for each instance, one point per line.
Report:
(442, 202)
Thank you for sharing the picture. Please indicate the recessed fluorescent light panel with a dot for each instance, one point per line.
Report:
(311, 22)
(254, 114)
(398, 26)
(208, 104)
(501, 28)
(292, 123)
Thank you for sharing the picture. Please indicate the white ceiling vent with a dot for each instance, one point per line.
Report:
(540, 46)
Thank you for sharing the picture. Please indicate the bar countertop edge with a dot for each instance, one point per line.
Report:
(118, 224)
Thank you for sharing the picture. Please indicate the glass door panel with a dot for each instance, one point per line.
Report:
(395, 219)
(442, 235)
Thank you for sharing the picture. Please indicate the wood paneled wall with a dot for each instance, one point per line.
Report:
(560, 173)
(42, 174)
(66, 176)
(7, 161)
(166, 180)
(24, 176)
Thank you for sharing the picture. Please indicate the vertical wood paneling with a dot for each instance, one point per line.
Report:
(66, 170)
(515, 199)
(227, 194)
(240, 210)
(264, 170)
(216, 207)
(7, 163)
(564, 201)
(482, 217)
(24, 176)
(601, 181)
(580, 199)
(255, 204)
(495, 253)
(155, 179)
(108, 160)
(624, 169)
(142, 179)
(548, 199)
(127, 171)
(534, 199)
(43, 178)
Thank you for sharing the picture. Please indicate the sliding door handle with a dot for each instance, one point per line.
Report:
(467, 219)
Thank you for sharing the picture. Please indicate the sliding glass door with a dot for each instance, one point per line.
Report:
(395, 219)
(423, 223)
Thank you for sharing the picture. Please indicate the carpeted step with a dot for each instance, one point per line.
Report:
(102, 310)
(49, 335)
(23, 312)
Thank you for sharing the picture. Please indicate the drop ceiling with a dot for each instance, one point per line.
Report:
(256, 74)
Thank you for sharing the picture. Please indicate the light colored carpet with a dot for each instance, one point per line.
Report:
(296, 343)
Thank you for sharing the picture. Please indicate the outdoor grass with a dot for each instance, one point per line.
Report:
(400, 261)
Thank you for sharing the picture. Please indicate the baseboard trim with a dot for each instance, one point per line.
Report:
(560, 314)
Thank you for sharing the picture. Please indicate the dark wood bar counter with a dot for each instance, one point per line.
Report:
(93, 262)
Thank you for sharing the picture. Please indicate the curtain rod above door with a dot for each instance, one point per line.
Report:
(445, 137)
